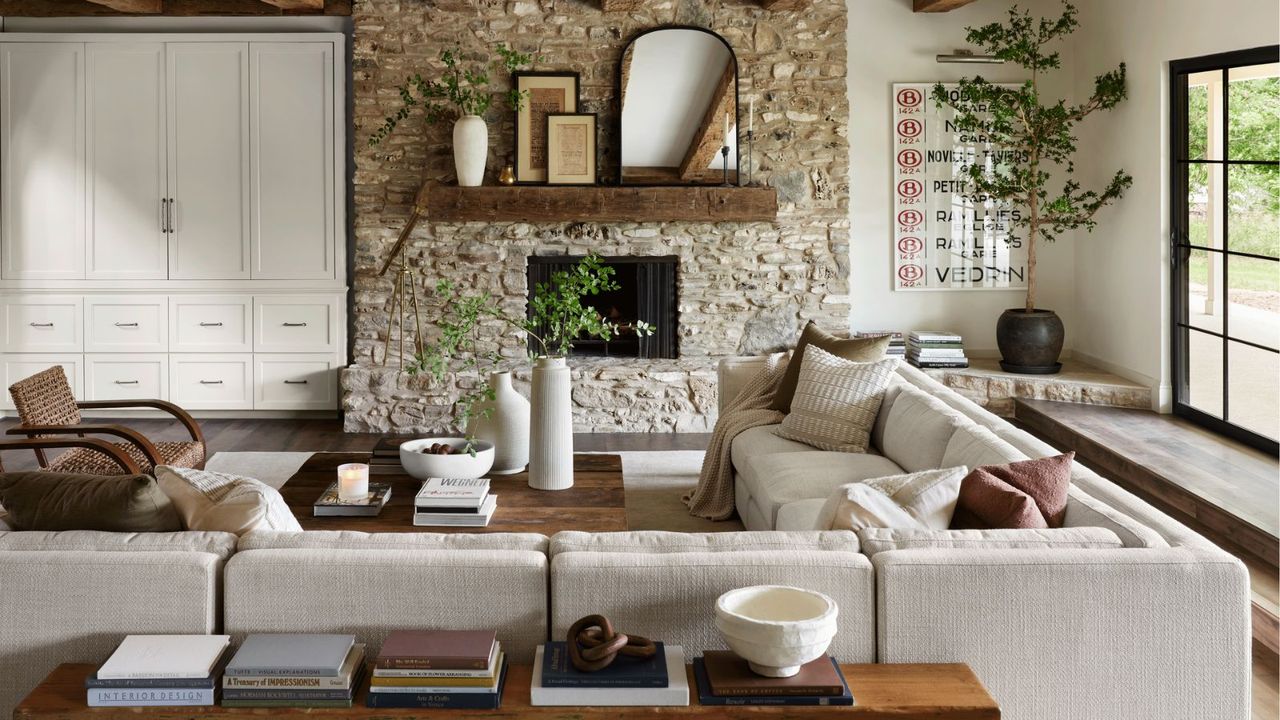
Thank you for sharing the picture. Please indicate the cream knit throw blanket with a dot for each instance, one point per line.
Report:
(713, 498)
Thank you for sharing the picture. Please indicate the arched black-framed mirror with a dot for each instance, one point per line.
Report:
(678, 107)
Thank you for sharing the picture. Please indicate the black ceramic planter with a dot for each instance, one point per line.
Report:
(1030, 342)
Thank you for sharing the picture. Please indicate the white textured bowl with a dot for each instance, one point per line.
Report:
(776, 628)
(458, 465)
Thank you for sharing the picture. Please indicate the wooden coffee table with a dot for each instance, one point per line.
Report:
(593, 504)
(882, 692)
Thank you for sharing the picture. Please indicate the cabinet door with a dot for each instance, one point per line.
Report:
(126, 161)
(292, 156)
(208, 109)
(42, 149)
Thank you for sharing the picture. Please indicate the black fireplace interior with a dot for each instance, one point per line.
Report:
(647, 292)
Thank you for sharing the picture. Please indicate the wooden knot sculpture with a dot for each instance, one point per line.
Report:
(593, 644)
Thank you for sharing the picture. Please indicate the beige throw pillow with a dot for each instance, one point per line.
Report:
(916, 501)
(836, 401)
(227, 503)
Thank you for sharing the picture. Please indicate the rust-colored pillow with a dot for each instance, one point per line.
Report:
(1045, 479)
(986, 502)
(854, 349)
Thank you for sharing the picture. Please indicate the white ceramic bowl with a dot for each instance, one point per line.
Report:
(776, 628)
(457, 465)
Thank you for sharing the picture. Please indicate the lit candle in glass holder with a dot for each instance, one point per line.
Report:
(353, 482)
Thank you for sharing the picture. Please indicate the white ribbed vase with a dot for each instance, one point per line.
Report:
(551, 427)
(507, 425)
(470, 149)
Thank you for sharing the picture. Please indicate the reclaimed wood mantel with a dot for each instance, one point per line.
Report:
(550, 203)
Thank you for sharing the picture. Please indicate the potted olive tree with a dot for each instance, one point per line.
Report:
(1039, 135)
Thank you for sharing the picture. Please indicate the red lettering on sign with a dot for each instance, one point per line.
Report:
(910, 244)
(910, 188)
(909, 158)
(910, 217)
(910, 127)
(909, 97)
(910, 273)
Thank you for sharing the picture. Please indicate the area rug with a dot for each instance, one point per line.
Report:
(654, 483)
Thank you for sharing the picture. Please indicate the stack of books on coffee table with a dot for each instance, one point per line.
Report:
(385, 457)
(315, 671)
(160, 670)
(443, 669)
(660, 680)
(725, 679)
(454, 502)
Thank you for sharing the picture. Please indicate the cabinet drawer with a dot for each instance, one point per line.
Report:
(126, 324)
(127, 377)
(295, 382)
(17, 367)
(211, 382)
(295, 323)
(210, 323)
(42, 324)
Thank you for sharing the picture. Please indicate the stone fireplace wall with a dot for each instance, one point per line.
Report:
(744, 287)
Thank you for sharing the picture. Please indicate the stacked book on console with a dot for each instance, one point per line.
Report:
(660, 680)
(294, 671)
(160, 670)
(725, 679)
(445, 669)
(936, 349)
(385, 458)
(897, 342)
(454, 502)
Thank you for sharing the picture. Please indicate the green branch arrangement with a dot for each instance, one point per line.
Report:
(1032, 136)
(460, 91)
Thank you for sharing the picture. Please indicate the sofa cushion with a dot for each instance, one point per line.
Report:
(801, 515)
(878, 540)
(917, 429)
(836, 401)
(761, 440)
(228, 503)
(974, 446)
(1045, 479)
(661, 542)
(855, 349)
(925, 499)
(775, 480)
(986, 501)
(215, 543)
(114, 503)
(352, 540)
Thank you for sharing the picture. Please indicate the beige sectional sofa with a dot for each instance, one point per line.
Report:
(1122, 615)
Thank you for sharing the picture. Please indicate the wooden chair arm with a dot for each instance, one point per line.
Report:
(133, 436)
(182, 416)
(116, 455)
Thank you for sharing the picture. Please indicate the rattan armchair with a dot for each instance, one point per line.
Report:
(48, 409)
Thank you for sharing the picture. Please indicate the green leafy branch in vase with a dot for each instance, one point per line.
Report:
(460, 91)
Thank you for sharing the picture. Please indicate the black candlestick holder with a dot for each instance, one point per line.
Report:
(724, 161)
(751, 137)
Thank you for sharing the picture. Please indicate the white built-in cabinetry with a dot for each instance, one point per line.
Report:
(172, 216)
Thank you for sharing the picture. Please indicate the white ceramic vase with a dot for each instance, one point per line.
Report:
(551, 426)
(470, 149)
(507, 425)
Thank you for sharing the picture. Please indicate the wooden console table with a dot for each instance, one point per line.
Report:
(882, 692)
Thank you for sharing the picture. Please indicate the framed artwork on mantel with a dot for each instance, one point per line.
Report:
(571, 148)
(546, 93)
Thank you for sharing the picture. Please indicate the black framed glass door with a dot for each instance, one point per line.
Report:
(1226, 243)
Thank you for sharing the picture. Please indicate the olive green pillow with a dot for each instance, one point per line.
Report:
(855, 349)
(114, 503)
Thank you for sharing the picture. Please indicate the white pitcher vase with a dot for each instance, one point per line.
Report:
(506, 425)
(470, 149)
(551, 427)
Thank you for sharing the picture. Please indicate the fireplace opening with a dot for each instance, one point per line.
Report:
(647, 292)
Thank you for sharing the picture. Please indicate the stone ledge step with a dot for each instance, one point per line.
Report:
(996, 390)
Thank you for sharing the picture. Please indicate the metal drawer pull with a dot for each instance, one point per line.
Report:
(126, 324)
(210, 382)
(36, 324)
(295, 382)
(126, 382)
(295, 324)
(205, 324)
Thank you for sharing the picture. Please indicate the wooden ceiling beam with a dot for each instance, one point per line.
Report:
(708, 138)
(139, 7)
(936, 6)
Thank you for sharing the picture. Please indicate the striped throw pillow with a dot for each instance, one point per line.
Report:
(836, 401)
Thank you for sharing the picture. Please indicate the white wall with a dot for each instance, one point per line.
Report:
(1122, 278)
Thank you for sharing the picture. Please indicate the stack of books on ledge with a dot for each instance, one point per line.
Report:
(307, 671)
(936, 349)
(454, 502)
(160, 670)
(725, 679)
(897, 342)
(444, 669)
(658, 681)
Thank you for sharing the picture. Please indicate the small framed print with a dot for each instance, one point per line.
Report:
(571, 148)
(544, 93)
